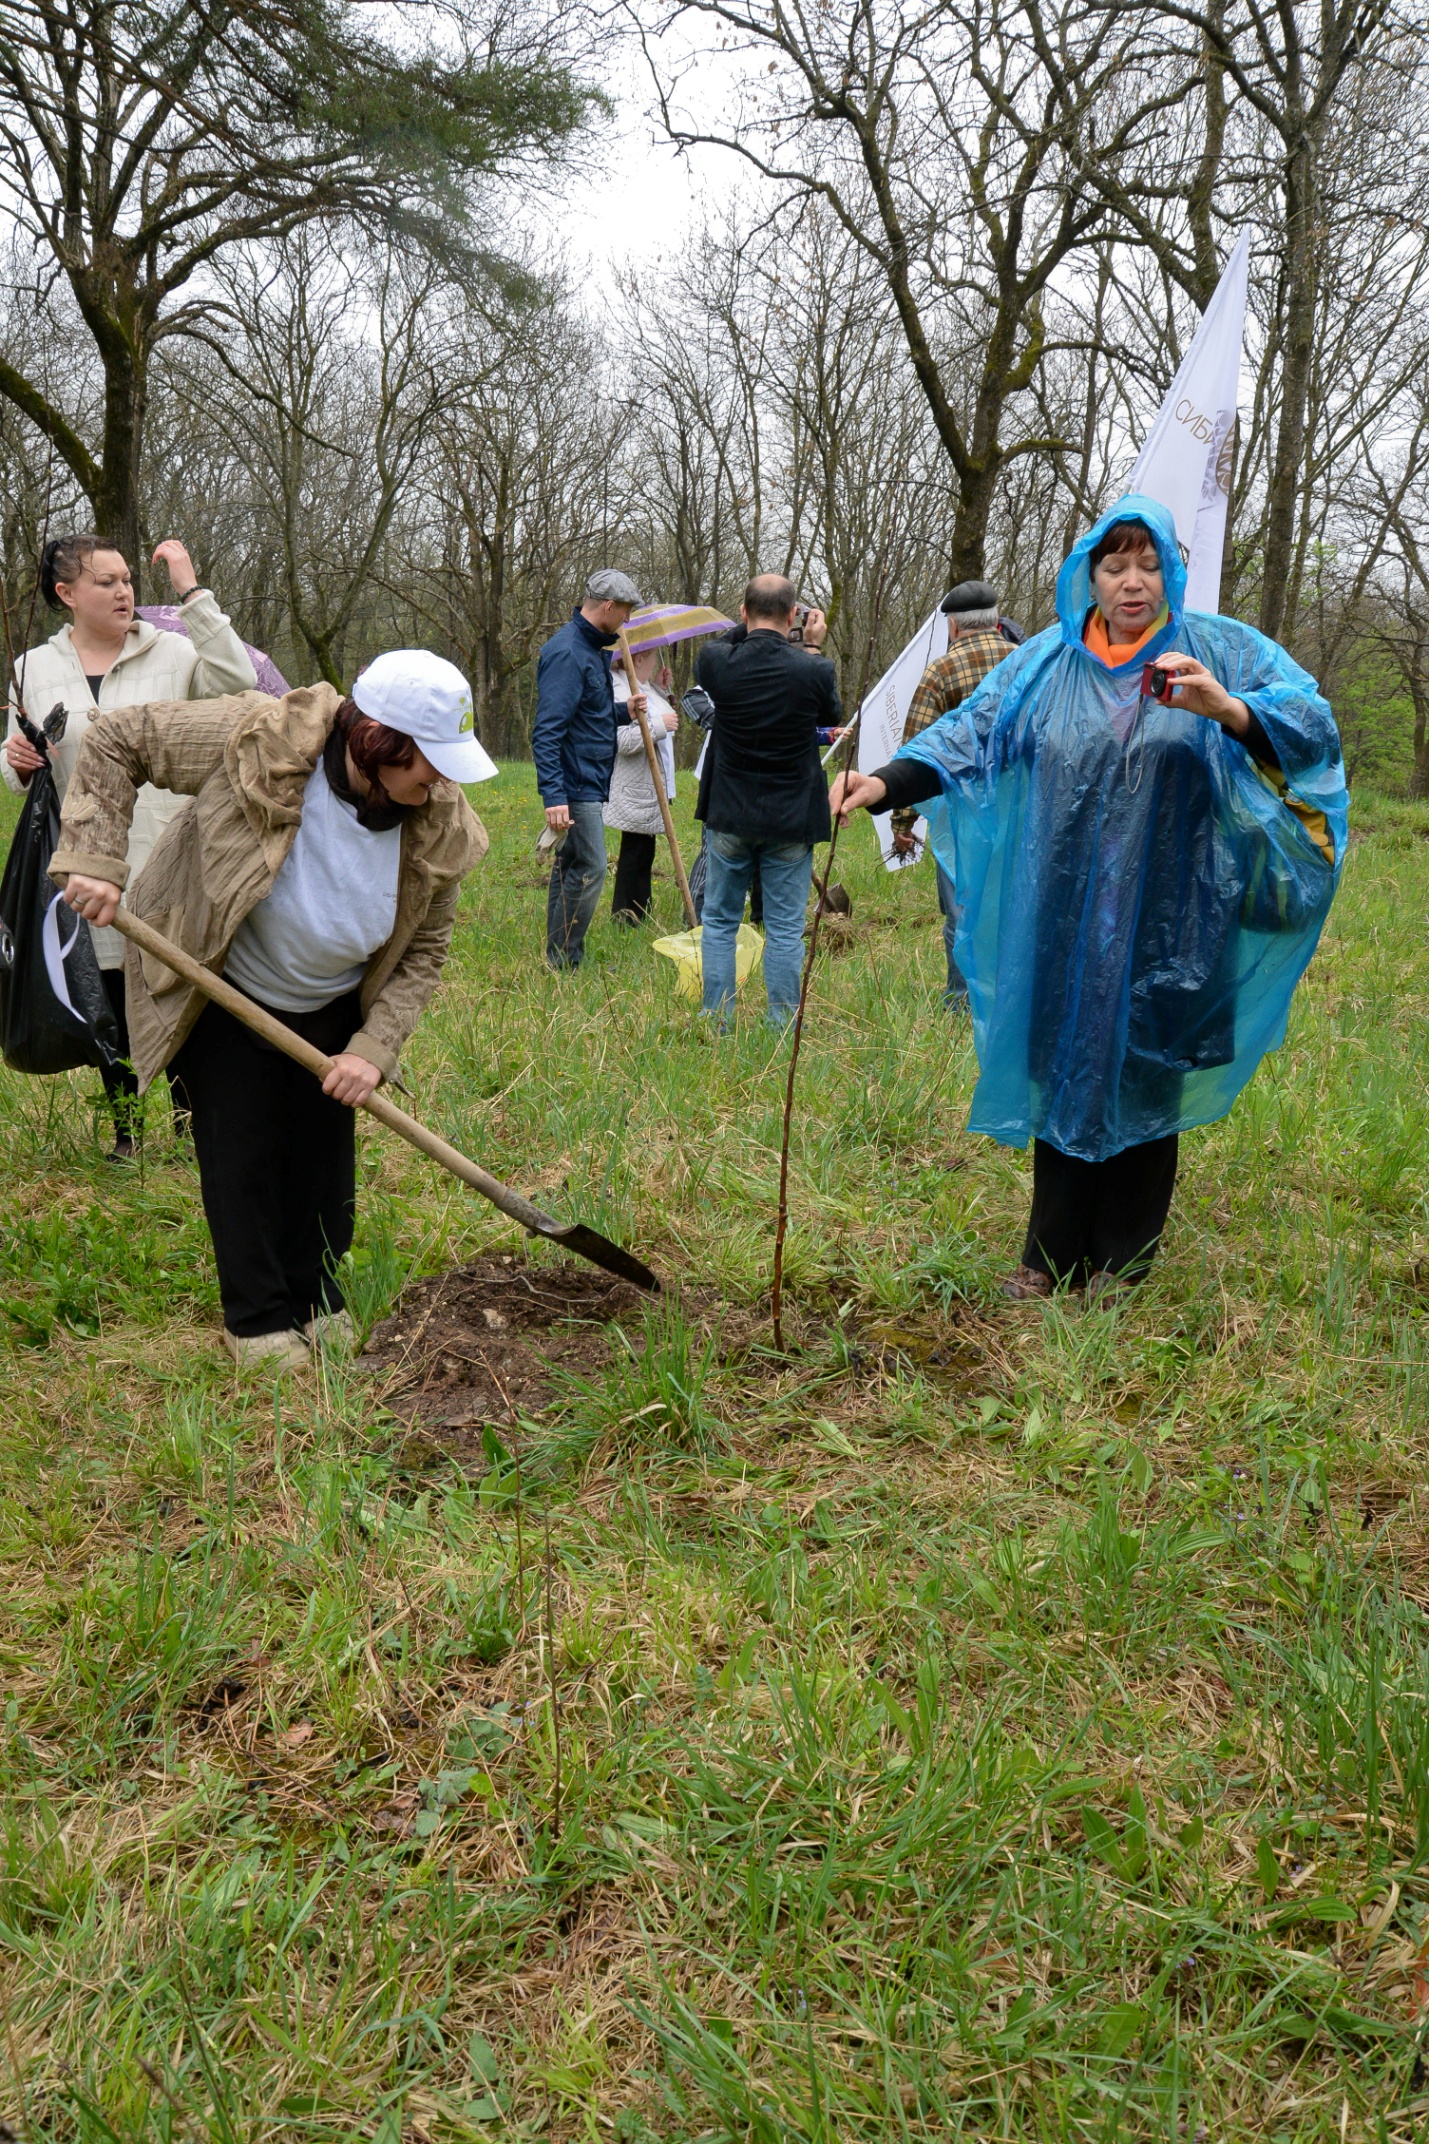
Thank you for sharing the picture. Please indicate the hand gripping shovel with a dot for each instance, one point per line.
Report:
(585, 1242)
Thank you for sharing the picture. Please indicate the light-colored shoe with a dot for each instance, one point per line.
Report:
(276, 1352)
(1103, 1287)
(332, 1331)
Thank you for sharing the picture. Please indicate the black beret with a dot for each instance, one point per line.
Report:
(969, 595)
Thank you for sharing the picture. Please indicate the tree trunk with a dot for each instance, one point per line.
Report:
(1228, 558)
(124, 354)
(116, 498)
(1419, 776)
(111, 484)
(976, 491)
(1201, 200)
(1005, 373)
(1278, 594)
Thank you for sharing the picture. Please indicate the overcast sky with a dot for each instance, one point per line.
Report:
(646, 195)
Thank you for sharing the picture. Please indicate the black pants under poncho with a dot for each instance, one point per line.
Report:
(1099, 1216)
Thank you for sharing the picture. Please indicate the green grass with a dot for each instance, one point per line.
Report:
(990, 1721)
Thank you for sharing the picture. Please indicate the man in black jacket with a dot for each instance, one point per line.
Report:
(762, 793)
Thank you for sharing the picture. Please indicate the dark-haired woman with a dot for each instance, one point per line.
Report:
(1144, 811)
(318, 870)
(103, 657)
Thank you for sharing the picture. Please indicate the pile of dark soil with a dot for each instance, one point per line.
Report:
(475, 1345)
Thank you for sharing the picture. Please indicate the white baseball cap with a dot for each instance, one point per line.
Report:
(427, 699)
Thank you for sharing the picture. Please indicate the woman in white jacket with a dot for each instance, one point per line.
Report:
(633, 806)
(105, 657)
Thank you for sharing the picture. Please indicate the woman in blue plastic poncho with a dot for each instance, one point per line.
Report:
(1142, 883)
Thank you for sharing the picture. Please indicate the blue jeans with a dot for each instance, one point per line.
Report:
(948, 903)
(697, 884)
(577, 875)
(786, 868)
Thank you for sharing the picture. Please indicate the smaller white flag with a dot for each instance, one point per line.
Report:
(1185, 463)
(881, 720)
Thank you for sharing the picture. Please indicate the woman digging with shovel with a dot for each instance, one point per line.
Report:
(317, 869)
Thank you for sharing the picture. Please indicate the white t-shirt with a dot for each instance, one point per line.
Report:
(333, 903)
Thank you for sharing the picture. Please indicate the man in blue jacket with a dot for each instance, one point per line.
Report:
(573, 744)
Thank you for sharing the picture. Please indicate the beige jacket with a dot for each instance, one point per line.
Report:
(153, 666)
(245, 763)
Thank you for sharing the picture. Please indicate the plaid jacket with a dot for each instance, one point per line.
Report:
(944, 685)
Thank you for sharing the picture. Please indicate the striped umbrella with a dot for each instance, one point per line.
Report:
(660, 625)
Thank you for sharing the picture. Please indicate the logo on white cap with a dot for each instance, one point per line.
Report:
(427, 699)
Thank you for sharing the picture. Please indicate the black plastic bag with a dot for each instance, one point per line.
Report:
(54, 1015)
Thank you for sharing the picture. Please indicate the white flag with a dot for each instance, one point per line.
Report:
(1186, 461)
(881, 720)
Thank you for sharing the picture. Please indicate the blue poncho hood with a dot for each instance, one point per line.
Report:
(1075, 595)
(1137, 898)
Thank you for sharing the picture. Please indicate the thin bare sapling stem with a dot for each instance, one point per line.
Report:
(551, 1672)
(781, 1226)
(513, 1424)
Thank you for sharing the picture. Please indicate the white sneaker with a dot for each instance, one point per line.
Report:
(277, 1352)
(333, 1331)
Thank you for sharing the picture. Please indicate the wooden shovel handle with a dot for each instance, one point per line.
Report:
(377, 1104)
(657, 776)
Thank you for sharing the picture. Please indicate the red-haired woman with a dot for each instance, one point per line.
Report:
(317, 869)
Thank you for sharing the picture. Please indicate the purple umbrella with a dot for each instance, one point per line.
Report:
(169, 618)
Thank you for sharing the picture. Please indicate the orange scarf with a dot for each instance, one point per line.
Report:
(1095, 637)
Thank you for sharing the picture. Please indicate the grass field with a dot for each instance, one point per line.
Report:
(987, 1721)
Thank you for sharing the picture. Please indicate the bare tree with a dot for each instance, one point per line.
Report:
(365, 451)
(142, 140)
(959, 160)
(864, 495)
(37, 492)
(324, 379)
(700, 373)
(1401, 615)
(1290, 67)
(518, 492)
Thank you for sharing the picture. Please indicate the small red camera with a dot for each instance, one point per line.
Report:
(1156, 683)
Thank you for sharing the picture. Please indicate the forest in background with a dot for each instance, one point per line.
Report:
(922, 333)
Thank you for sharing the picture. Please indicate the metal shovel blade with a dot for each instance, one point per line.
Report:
(588, 1243)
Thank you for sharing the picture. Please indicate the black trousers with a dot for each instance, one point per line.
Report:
(277, 1165)
(633, 866)
(1099, 1216)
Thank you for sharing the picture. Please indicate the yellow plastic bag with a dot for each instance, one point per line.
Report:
(684, 951)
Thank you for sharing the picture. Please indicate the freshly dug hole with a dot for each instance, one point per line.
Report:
(467, 1347)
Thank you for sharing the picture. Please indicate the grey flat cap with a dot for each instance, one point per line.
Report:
(608, 586)
(969, 595)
